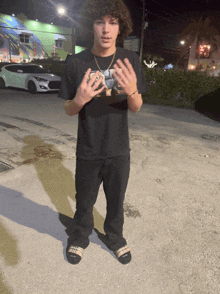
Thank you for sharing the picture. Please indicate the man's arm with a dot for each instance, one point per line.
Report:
(73, 107)
(126, 77)
(135, 102)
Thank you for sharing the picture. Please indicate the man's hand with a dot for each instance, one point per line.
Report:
(87, 90)
(125, 76)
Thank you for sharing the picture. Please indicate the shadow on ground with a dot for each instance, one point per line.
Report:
(56, 179)
(209, 105)
(59, 185)
(9, 252)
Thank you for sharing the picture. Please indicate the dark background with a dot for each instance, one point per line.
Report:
(166, 19)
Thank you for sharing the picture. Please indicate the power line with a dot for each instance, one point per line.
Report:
(173, 21)
(159, 31)
(162, 49)
(164, 7)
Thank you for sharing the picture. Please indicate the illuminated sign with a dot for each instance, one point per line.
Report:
(204, 50)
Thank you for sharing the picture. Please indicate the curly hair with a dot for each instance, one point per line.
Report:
(96, 9)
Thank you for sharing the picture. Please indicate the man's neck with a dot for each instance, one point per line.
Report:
(102, 52)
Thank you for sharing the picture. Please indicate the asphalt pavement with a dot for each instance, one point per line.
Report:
(172, 204)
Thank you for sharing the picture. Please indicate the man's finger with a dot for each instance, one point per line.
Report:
(93, 79)
(86, 76)
(100, 90)
(120, 64)
(129, 66)
(98, 82)
(121, 69)
(119, 79)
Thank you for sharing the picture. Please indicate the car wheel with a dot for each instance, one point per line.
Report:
(2, 83)
(32, 87)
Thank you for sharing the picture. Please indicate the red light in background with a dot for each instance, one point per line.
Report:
(204, 50)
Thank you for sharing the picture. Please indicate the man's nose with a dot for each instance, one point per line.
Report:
(106, 28)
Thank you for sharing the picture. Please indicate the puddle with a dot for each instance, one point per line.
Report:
(46, 152)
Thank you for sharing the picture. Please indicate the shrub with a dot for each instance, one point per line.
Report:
(178, 86)
(55, 66)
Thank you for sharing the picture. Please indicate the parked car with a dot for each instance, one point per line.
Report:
(32, 77)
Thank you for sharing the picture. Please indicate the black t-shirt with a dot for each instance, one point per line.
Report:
(103, 121)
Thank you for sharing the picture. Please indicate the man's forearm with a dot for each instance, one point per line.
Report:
(73, 107)
(135, 102)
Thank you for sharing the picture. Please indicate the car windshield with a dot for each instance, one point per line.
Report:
(34, 69)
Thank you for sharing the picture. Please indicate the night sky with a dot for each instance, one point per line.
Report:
(166, 19)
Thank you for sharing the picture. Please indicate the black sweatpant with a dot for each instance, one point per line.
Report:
(114, 173)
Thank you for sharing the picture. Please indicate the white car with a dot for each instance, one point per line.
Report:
(32, 77)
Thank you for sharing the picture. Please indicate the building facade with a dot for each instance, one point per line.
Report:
(22, 40)
(209, 60)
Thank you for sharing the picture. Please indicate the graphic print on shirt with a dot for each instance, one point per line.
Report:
(113, 88)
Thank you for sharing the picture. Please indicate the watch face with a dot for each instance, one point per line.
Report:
(1, 42)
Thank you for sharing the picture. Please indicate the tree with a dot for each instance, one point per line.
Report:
(152, 60)
(199, 31)
(22, 17)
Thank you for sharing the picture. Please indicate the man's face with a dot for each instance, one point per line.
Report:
(106, 32)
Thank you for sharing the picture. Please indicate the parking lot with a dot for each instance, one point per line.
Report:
(171, 209)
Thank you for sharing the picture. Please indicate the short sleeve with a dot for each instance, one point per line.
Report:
(68, 88)
(141, 79)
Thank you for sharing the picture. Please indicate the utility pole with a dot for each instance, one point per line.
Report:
(62, 11)
(143, 27)
(9, 49)
(73, 40)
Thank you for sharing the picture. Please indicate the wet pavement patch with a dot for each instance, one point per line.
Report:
(46, 152)
(32, 122)
(4, 167)
(60, 133)
(211, 137)
(130, 211)
(137, 138)
(7, 126)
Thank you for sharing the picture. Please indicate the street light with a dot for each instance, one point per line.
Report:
(62, 11)
(182, 42)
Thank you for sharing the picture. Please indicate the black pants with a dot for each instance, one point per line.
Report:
(114, 173)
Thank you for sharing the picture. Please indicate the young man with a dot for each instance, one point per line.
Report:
(100, 85)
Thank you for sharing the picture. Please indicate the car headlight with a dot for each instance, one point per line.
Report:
(40, 79)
